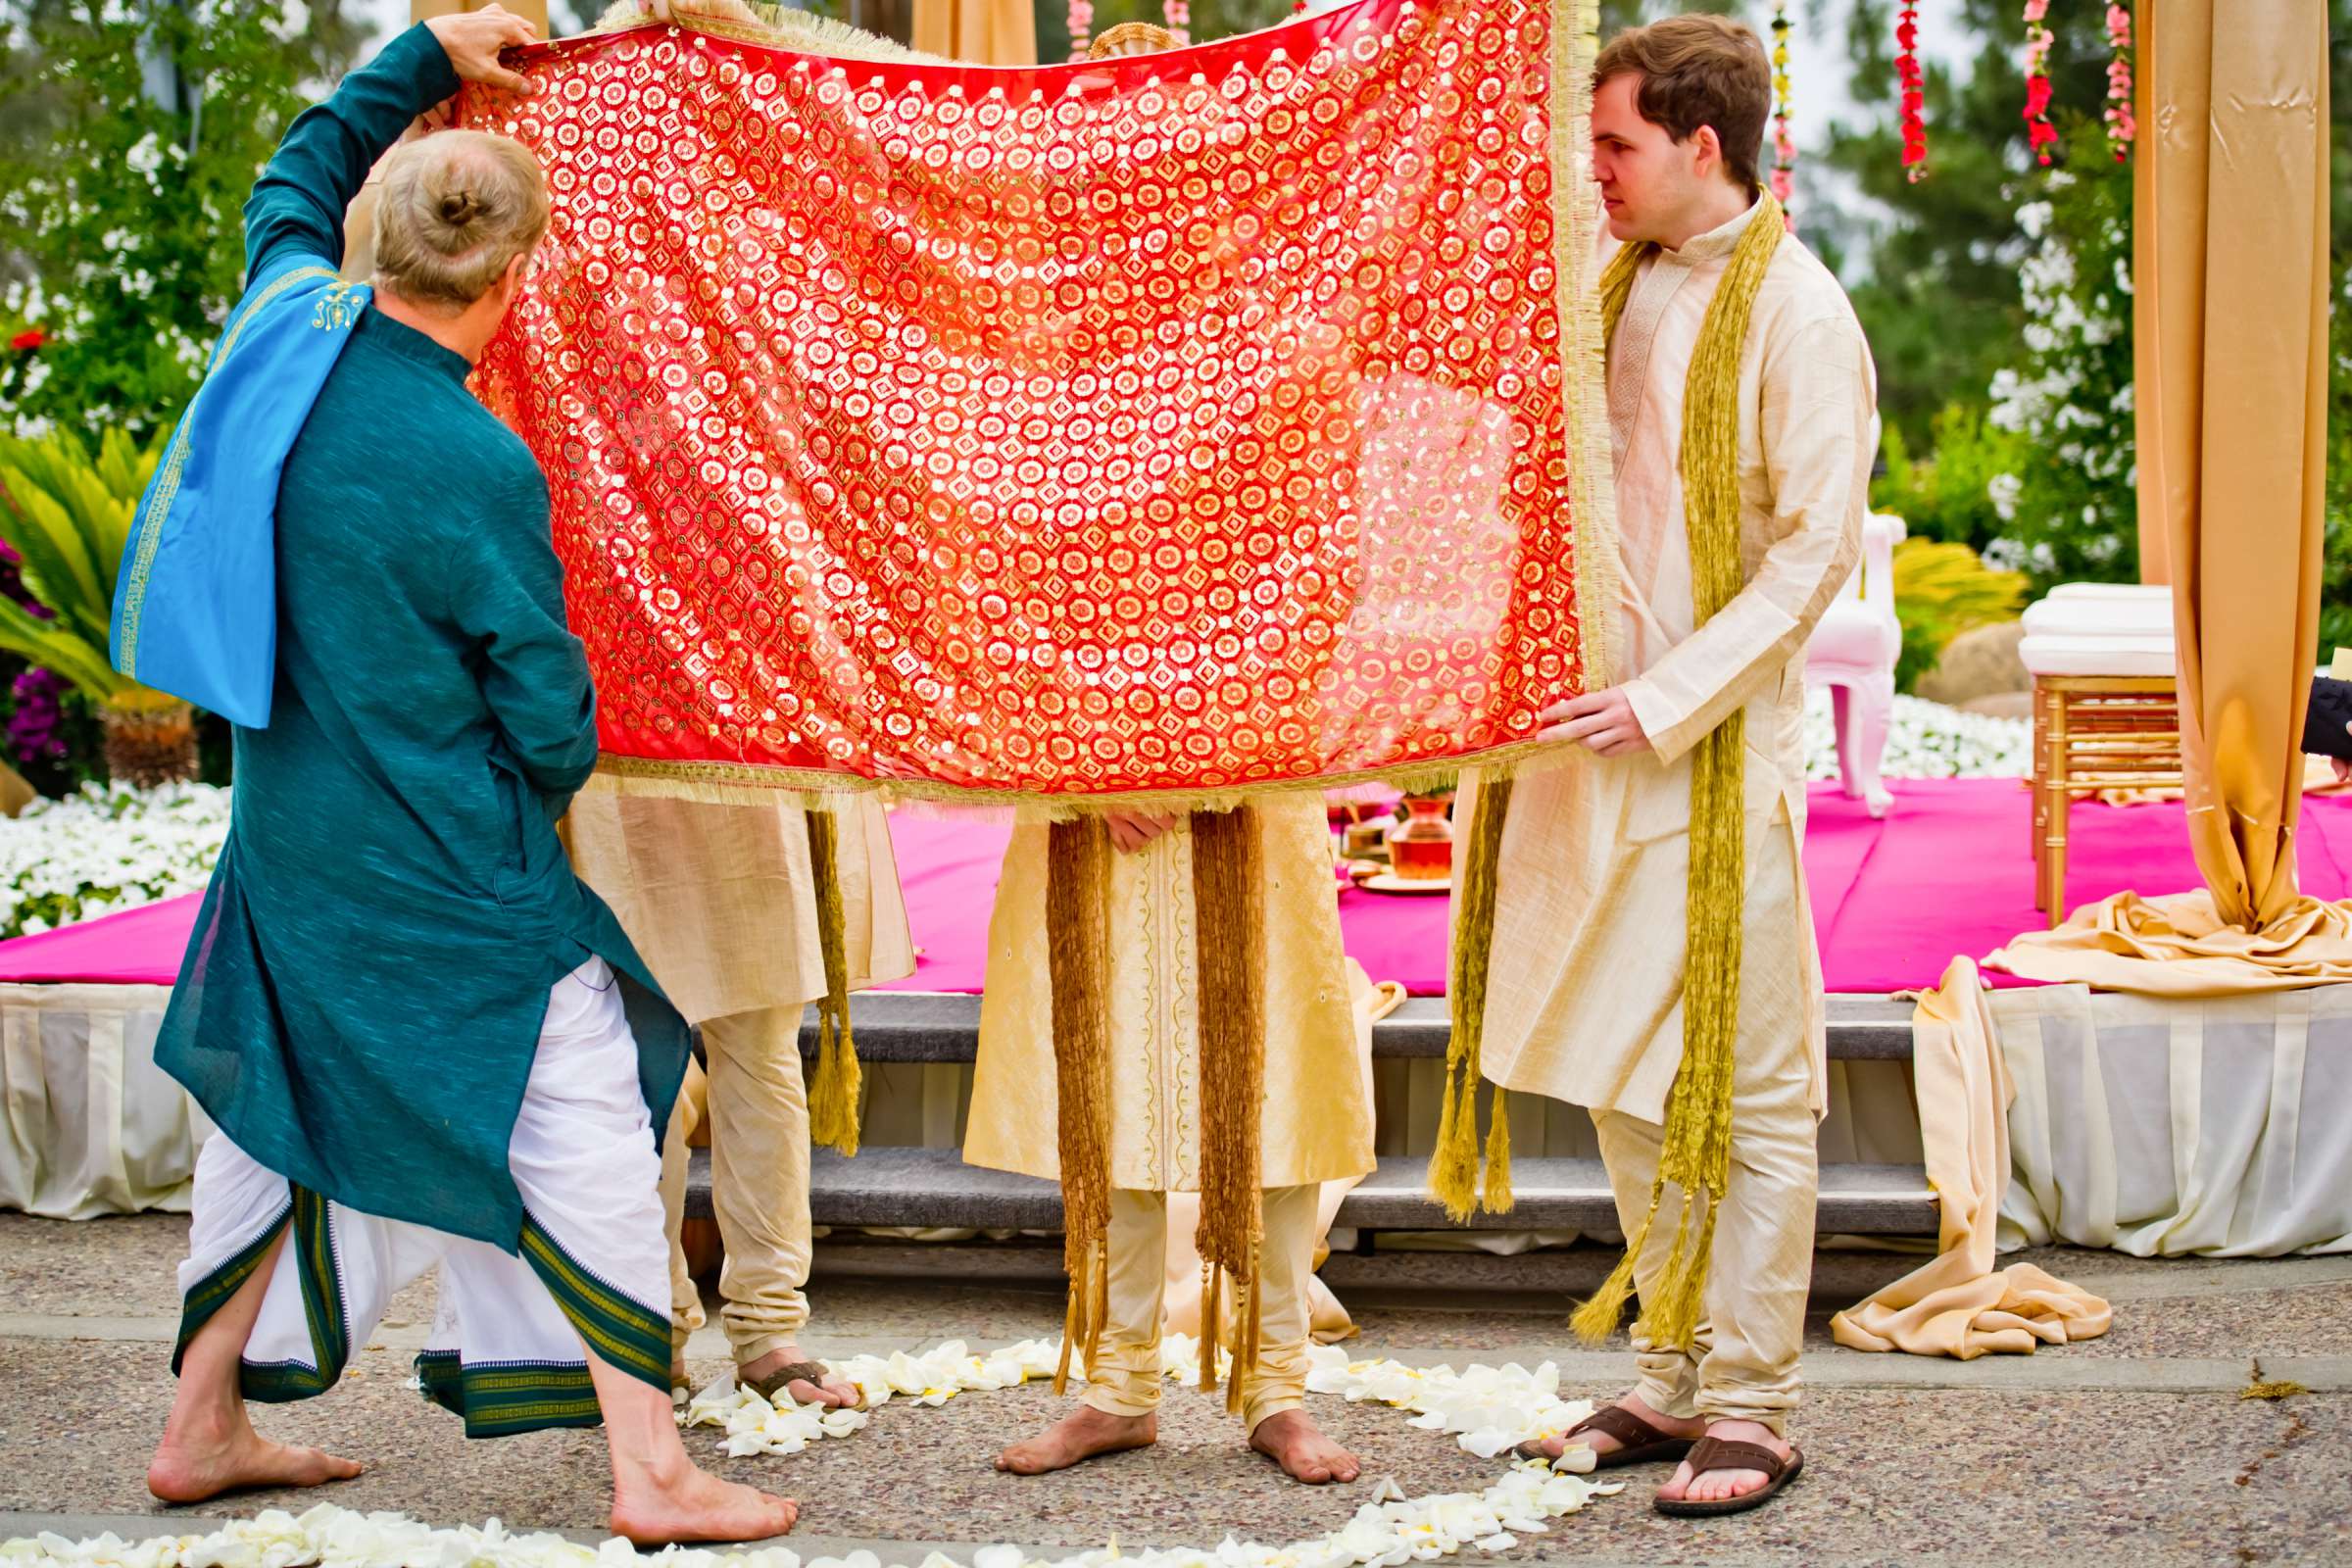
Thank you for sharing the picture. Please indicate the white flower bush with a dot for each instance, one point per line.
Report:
(1927, 740)
(107, 849)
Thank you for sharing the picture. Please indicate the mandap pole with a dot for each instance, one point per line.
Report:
(2229, 325)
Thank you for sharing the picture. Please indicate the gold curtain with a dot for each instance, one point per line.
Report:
(2230, 261)
(986, 32)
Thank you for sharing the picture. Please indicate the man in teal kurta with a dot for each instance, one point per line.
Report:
(401, 1010)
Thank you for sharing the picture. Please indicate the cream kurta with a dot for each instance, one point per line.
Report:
(722, 904)
(1585, 1000)
(1317, 1124)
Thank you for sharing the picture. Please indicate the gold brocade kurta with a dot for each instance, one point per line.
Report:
(1317, 1124)
(1585, 995)
(721, 900)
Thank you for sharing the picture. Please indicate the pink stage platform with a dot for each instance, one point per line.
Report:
(1946, 872)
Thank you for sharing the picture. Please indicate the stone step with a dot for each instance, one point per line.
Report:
(888, 1184)
(938, 1026)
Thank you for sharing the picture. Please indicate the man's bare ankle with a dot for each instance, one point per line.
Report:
(768, 1362)
(206, 1424)
(1660, 1418)
(654, 1471)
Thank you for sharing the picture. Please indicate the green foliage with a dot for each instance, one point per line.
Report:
(129, 136)
(1941, 589)
(2336, 568)
(1948, 493)
(68, 516)
(1931, 265)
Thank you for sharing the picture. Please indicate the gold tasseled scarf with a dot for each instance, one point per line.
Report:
(1697, 1157)
(837, 1087)
(1228, 897)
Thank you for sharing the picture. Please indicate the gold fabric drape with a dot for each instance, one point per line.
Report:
(986, 32)
(1959, 1303)
(2229, 263)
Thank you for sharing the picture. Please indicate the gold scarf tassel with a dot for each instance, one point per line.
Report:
(1228, 894)
(1078, 966)
(1229, 926)
(1698, 1154)
(1453, 1167)
(837, 1090)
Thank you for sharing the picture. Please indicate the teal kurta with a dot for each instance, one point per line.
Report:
(362, 1000)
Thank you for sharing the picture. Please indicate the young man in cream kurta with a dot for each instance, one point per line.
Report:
(1586, 1000)
(721, 900)
(1316, 1125)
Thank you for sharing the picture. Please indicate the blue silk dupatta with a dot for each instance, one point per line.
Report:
(196, 600)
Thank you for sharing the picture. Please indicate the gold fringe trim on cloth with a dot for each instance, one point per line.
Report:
(1078, 969)
(1228, 924)
(836, 1092)
(1698, 1153)
(1577, 218)
(756, 784)
(1454, 1166)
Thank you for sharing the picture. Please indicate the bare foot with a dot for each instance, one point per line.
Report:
(1083, 1433)
(656, 1510)
(1719, 1486)
(1601, 1442)
(201, 1458)
(833, 1393)
(1293, 1441)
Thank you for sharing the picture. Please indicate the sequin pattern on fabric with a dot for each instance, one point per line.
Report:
(1188, 422)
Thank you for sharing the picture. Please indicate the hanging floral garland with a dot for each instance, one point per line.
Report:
(1784, 147)
(1914, 89)
(2121, 129)
(2040, 134)
(1178, 13)
(1082, 28)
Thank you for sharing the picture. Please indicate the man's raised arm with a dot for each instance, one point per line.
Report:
(297, 206)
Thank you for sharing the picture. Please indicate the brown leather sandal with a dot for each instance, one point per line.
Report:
(773, 1386)
(1638, 1442)
(1713, 1454)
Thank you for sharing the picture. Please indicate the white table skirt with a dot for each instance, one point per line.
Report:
(92, 1125)
(2219, 1127)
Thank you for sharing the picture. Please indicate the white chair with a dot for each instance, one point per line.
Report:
(1853, 651)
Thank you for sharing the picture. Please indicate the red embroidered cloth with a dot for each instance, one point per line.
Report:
(1184, 422)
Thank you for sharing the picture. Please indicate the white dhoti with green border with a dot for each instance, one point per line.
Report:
(506, 1351)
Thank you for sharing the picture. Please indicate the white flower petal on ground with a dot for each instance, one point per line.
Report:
(1390, 1527)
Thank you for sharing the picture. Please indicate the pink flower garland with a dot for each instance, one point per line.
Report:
(1784, 146)
(2120, 126)
(1082, 26)
(1178, 13)
(2040, 134)
(1915, 93)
